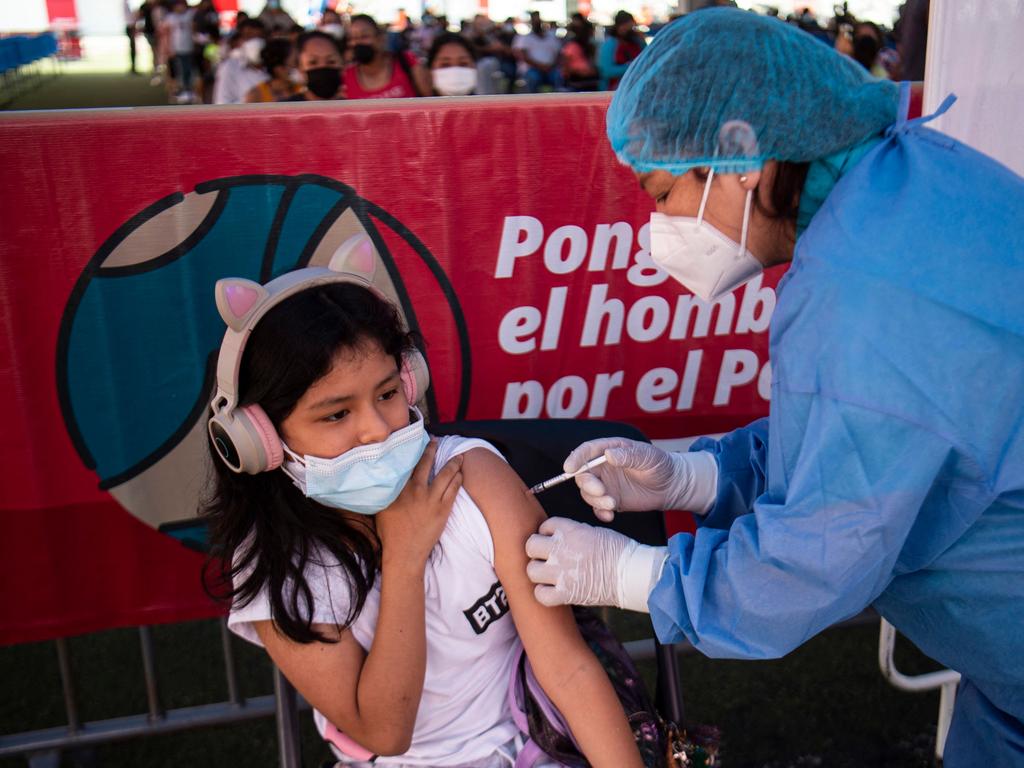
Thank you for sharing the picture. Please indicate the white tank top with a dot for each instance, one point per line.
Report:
(471, 639)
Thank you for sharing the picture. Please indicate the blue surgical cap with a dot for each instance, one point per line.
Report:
(729, 89)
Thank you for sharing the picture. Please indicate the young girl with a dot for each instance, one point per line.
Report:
(383, 571)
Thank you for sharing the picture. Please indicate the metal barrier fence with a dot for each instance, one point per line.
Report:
(42, 748)
(946, 680)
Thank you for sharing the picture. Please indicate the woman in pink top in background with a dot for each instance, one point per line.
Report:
(377, 74)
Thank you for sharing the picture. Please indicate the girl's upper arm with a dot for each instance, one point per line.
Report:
(326, 674)
(512, 515)
(566, 668)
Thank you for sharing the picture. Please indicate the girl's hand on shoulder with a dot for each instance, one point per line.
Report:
(411, 526)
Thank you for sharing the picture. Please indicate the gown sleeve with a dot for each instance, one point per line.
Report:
(848, 484)
(742, 457)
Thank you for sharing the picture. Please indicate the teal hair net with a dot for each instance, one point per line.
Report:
(729, 89)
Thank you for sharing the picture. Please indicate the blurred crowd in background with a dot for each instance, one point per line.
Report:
(349, 55)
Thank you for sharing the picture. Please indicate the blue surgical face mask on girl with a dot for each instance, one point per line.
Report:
(365, 479)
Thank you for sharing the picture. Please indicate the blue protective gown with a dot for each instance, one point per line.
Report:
(890, 471)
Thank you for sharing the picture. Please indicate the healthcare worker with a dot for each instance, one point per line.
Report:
(890, 471)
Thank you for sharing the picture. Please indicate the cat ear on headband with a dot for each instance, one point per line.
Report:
(356, 256)
(237, 299)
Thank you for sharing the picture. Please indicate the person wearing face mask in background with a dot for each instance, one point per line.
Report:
(538, 54)
(275, 19)
(320, 64)
(376, 74)
(868, 42)
(579, 69)
(622, 45)
(243, 69)
(452, 64)
(890, 470)
(330, 23)
(495, 61)
(278, 58)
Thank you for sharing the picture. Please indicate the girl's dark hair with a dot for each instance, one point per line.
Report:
(264, 532)
(275, 54)
(448, 38)
(305, 37)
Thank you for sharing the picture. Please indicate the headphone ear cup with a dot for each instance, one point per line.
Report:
(273, 452)
(415, 375)
(246, 440)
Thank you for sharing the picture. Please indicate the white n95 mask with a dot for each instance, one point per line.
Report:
(454, 81)
(365, 479)
(698, 255)
(251, 49)
(334, 30)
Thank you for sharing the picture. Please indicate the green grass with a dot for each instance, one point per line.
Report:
(76, 90)
(826, 704)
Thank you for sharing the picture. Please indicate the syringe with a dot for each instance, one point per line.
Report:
(559, 479)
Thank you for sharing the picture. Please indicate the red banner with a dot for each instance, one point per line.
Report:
(514, 241)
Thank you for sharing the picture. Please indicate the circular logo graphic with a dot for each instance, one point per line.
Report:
(140, 334)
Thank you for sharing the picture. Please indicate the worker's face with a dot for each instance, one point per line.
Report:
(768, 239)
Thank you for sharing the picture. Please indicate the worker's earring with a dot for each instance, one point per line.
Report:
(743, 179)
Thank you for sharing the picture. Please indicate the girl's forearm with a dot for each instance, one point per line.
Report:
(587, 700)
(391, 681)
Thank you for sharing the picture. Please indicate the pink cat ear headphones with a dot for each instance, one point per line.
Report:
(244, 437)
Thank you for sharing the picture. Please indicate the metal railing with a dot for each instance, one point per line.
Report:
(42, 747)
(946, 680)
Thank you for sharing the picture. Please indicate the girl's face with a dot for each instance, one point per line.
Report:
(359, 401)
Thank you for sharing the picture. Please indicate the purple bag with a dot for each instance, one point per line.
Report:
(548, 735)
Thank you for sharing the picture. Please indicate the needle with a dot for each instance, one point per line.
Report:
(559, 479)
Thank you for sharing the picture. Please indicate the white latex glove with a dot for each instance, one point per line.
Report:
(577, 564)
(639, 476)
